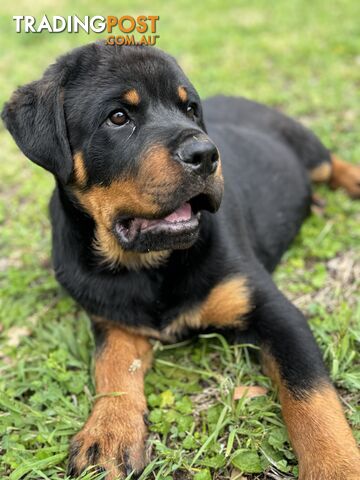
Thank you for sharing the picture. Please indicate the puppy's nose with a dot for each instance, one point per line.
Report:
(202, 157)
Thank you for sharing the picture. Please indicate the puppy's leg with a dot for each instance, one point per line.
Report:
(115, 433)
(322, 166)
(313, 414)
(338, 174)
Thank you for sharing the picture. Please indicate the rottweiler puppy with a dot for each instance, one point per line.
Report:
(140, 167)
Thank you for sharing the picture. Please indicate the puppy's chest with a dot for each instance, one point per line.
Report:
(226, 305)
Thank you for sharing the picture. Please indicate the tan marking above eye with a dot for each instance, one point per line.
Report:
(182, 94)
(132, 97)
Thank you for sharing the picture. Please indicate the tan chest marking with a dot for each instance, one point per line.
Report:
(225, 306)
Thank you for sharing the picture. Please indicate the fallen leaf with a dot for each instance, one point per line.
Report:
(15, 334)
(236, 475)
(5, 359)
(6, 263)
(249, 391)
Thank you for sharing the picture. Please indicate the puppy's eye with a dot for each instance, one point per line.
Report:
(118, 118)
(191, 111)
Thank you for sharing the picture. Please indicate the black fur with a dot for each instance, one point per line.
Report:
(93, 453)
(73, 453)
(265, 155)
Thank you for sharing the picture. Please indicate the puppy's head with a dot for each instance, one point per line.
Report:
(121, 129)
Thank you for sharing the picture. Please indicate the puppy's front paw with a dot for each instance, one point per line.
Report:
(331, 476)
(113, 440)
(348, 469)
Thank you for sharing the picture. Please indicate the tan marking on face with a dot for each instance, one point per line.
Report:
(103, 202)
(80, 172)
(120, 366)
(225, 306)
(136, 197)
(346, 176)
(318, 430)
(131, 97)
(182, 94)
(112, 254)
(159, 172)
(321, 173)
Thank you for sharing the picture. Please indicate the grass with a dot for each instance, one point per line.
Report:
(298, 56)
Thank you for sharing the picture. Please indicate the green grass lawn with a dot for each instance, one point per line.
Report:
(302, 57)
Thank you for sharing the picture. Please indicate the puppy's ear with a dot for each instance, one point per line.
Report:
(35, 118)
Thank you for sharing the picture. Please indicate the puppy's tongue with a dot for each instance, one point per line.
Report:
(182, 214)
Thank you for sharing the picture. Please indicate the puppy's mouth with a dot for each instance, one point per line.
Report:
(177, 230)
(182, 221)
